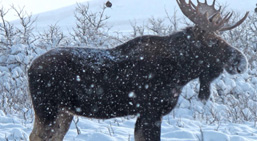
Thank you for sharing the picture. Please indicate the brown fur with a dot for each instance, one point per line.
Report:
(142, 76)
(55, 131)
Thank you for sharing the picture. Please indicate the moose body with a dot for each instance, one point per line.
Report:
(143, 76)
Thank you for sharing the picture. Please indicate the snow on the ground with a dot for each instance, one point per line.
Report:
(179, 125)
(121, 129)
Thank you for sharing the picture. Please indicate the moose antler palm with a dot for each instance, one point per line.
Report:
(206, 16)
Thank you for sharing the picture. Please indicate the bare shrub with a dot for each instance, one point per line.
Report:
(7, 31)
(25, 32)
(91, 29)
(15, 56)
(51, 37)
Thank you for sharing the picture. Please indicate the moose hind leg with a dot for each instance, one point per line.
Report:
(62, 125)
(51, 131)
(148, 128)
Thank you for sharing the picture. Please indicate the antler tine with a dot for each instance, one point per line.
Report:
(237, 24)
(178, 2)
(228, 16)
(225, 19)
(213, 4)
(216, 15)
(219, 8)
(192, 4)
(181, 2)
(207, 17)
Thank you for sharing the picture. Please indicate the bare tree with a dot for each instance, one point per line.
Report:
(137, 30)
(27, 26)
(51, 37)
(90, 26)
(15, 44)
(7, 31)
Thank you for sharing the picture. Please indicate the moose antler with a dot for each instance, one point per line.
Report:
(206, 16)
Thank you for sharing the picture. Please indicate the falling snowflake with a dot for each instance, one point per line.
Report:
(78, 78)
(78, 109)
(131, 95)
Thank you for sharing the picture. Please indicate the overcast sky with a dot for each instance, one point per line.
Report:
(37, 6)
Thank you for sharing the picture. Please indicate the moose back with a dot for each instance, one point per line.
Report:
(143, 76)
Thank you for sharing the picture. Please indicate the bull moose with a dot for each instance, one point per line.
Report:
(143, 76)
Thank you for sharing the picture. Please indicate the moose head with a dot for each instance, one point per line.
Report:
(205, 34)
(143, 76)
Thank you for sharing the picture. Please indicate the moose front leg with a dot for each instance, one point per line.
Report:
(148, 128)
(204, 92)
(205, 83)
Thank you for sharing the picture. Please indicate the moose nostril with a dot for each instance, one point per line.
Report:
(240, 69)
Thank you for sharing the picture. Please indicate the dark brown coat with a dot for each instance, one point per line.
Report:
(142, 76)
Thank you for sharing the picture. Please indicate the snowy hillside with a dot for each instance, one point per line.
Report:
(229, 115)
(123, 13)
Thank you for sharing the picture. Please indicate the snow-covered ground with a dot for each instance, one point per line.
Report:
(121, 129)
(185, 123)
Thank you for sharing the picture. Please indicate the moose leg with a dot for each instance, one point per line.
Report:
(148, 128)
(205, 82)
(204, 92)
(36, 134)
(54, 130)
(62, 125)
